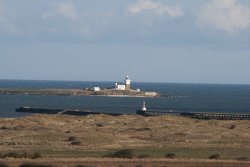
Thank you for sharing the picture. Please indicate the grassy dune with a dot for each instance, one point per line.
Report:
(62, 136)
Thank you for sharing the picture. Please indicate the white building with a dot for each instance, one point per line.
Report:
(125, 86)
(120, 87)
(96, 89)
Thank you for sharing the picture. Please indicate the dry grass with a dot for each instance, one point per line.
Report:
(152, 136)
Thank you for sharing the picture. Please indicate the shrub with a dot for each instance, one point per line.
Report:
(126, 153)
(232, 127)
(11, 155)
(83, 166)
(72, 138)
(214, 156)
(100, 125)
(36, 155)
(11, 143)
(3, 165)
(76, 143)
(138, 165)
(143, 156)
(34, 165)
(21, 155)
(242, 159)
(170, 155)
(3, 128)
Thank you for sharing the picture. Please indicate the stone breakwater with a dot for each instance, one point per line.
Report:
(78, 92)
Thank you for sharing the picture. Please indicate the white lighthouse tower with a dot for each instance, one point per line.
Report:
(127, 83)
(144, 106)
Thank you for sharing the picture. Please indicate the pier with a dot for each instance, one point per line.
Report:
(196, 115)
(61, 111)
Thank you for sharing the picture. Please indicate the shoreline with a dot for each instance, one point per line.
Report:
(78, 92)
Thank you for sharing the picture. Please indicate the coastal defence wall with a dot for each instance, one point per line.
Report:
(197, 115)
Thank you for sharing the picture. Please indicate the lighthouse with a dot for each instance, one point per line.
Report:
(127, 83)
(143, 106)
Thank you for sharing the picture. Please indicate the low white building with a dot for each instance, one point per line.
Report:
(119, 87)
(96, 89)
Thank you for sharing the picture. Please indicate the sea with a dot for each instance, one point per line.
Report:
(225, 98)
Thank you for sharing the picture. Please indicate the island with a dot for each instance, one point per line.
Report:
(119, 89)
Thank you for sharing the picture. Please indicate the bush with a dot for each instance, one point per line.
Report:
(34, 165)
(21, 155)
(11, 155)
(215, 156)
(143, 156)
(138, 165)
(76, 143)
(242, 159)
(170, 155)
(232, 127)
(72, 138)
(83, 166)
(100, 125)
(36, 155)
(127, 153)
(3, 128)
(3, 165)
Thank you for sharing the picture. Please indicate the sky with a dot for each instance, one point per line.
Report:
(194, 41)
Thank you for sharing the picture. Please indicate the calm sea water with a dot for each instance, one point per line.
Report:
(182, 97)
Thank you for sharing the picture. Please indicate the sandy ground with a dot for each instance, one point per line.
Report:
(101, 134)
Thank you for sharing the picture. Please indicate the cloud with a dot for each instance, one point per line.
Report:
(226, 15)
(63, 9)
(155, 7)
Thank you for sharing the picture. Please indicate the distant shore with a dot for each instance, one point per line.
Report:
(79, 92)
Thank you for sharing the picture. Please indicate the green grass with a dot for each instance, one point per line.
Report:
(196, 153)
(201, 153)
(72, 154)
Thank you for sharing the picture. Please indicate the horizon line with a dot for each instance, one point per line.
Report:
(156, 82)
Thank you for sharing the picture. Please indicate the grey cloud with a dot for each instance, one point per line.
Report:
(225, 15)
(156, 7)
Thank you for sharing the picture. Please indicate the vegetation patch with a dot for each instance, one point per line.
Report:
(169, 155)
(242, 159)
(100, 124)
(126, 153)
(3, 128)
(76, 143)
(35, 165)
(232, 127)
(3, 165)
(72, 138)
(214, 156)
(139, 166)
(143, 156)
(35, 155)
